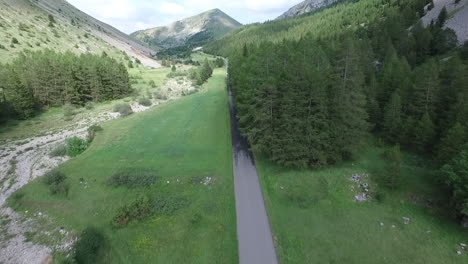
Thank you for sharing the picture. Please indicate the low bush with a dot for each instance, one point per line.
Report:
(137, 210)
(56, 181)
(60, 188)
(123, 109)
(54, 177)
(76, 146)
(152, 84)
(68, 112)
(88, 246)
(168, 205)
(144, 207)
(132, 179)
(59, 151)
(144, 101)
(92, 131)
(89, 106)
(160, 95)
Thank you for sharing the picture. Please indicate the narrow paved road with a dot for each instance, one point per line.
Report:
(253, 229)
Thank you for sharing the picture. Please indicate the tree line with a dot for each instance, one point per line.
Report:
(41, 79)
(312, 101)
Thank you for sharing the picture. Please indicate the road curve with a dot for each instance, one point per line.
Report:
(254, 235)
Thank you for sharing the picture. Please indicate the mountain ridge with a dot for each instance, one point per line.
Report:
(191, 31)
(308, 6)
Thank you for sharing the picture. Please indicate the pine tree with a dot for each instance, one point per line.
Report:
(455, 175)
(424, 133)
(451, 144)
(19, 96)
(392, 118)
(425, 94)
(443, 15)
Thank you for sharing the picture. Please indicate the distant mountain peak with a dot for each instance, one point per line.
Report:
(305, 7)
(193, 31)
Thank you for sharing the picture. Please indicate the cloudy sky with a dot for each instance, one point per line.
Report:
(132, 15)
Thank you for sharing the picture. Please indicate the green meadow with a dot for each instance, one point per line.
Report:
(186, 143)
(315, 220)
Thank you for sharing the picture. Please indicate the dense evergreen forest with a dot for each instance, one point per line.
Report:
(45, 78)
(312, 100)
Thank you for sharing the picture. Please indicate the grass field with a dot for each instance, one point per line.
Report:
(315, 220)
(184, 142)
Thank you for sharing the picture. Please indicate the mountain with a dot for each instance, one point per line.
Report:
(305, 7)
(56, 24)
(457, 20)
(193, 31)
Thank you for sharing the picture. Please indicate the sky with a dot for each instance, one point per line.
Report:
(133, 15)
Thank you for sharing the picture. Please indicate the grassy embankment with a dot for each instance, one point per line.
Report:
(183, 142)
(315, 219)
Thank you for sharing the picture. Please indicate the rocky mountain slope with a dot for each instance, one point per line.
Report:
(457, 19)
(193, 31)
(55, 24)
(305, 7)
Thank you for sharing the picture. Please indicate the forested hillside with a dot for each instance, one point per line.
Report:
(45, 78)
(369, 67)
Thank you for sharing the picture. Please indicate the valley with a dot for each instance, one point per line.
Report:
(332, 132)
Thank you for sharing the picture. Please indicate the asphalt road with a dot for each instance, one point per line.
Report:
(253, 229)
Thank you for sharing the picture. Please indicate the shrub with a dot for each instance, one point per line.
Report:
(92, 130)
(455, 175)
(56, 181)
(160, 95)
(76, 146)
(123, 109)
(152, 84)
(2, 47)
(144, 207)
(132, 179)
(219, 62)
(89, 105)
(68, 112)
(54, 177)
(14, 41)
(59, 151)
(89, 244)
(137, 210)
(60, 188)
(144, 101)
(168, 205)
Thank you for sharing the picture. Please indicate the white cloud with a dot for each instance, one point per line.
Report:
(172, 9)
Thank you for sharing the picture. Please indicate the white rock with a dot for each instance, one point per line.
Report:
(382, 224)
(459, 252)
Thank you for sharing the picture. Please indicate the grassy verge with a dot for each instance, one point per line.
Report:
(186, 143)
(315, 220)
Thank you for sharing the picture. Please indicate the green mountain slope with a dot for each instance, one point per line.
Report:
(350, 16)
(193, 31)
(55, 24)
